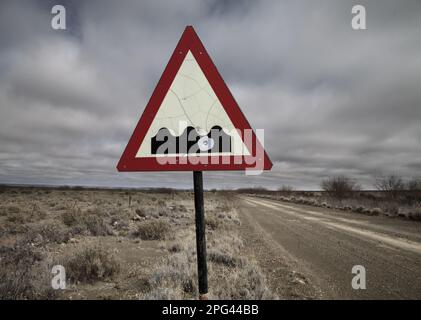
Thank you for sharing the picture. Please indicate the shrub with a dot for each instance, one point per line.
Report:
(391, 185)
(163, 211)
(96, 225)
(15, 268)
(223, 258)
(247, 283)
(414, 184)
(119, 224)
(15, 228)
(416, 214)
(286, 189)
(224, 207)
(48, 232)
(339, 186)
(4, 211)
(212, 222)
(152, 230)
(72, 217)
(140, 213)
(182, 208)
(81, 222)
(359, 209)
(20, 276)
(36, 213)
(175, 273)
(376, 211)
(91, 264)
(16, 217)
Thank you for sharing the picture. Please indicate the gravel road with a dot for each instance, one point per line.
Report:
(309, 252)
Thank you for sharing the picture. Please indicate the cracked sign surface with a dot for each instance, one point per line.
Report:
(191, 103)
(192, 122)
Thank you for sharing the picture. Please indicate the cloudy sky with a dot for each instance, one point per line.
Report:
(331, 100)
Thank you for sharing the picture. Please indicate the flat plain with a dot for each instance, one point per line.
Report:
(119, 244)
(140, 244)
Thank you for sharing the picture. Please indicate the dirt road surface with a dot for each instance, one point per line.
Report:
(308, 252)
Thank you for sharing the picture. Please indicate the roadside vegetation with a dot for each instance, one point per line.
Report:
(390, 196)
(231, 275)
(118, 244)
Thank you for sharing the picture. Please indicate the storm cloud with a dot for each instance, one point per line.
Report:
(332, 100)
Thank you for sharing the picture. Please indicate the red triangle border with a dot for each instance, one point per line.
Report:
(190, 41)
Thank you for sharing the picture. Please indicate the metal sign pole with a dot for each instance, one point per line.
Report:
(202, 269)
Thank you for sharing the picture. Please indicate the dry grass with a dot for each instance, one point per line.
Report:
(72, 216)
(120, 244)
(152, 230)
(245, 283)
(22, 274)
(212, 222)
(415, 214)
(49, 232)
(361, 202)
(231, 276)
(91, 264)
(97, 226)
(89, 221)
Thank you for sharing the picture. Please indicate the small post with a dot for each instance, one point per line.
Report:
(202, 269)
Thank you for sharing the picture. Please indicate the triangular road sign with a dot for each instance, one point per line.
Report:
(192, 122)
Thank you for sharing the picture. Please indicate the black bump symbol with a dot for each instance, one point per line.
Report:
(190, 141)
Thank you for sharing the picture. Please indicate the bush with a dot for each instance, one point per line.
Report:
(15, 269)
(175, 247)
(376, 211)
(72, 217)
(48, 232)
(14, 228)
(96, 225)
(286, 189)
(163, 211)
(359, 209)
(140, 213)
(247, 283)
(414, 185)
(415, 214)
(223, 258)
(21, 276)
(152, 230)
(91, 264)
(4, 211)
(181, 208)
(212, 222)
(36, 213)
(81, 222)
(339, 186)
(16, 217)
(176, 272)
(391, 185)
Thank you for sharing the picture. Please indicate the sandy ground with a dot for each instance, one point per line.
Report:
(121, 244)
(257, 248)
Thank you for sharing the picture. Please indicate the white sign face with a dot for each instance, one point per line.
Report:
(192, 122)
(191, 103)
